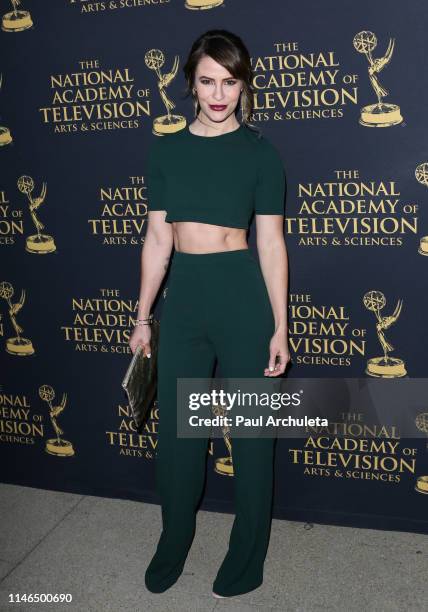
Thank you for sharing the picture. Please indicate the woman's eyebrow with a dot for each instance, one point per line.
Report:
(202, 76)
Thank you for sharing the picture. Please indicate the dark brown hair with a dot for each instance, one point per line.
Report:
(228, 50)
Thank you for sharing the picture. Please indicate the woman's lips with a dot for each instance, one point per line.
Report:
(217, 107)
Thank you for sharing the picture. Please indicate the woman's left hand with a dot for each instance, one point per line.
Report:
(278, 348)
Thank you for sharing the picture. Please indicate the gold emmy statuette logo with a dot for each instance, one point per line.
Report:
(223, 465)
(5, 136)
(421, 485)
(41, 244)
(421, 174)
(56, 446)
(421, 422)
(381, 114)
(168, 123)
(22, 347)
(383, 367)
(16, 21)
(200, 5)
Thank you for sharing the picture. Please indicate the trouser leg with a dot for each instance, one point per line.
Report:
(242, 568)
(185, 352)
(242, 346)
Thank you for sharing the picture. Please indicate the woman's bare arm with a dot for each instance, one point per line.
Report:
(155, 257)
(273, 259)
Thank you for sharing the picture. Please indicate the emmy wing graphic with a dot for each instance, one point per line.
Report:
(5, 136)
(200, 5)
(22, 347)
(421, 174)
(383, 367)
(56, 446)
(380, 114)
(223, 465)
(155, 59)
(39, 243)
(421, 423)
(16, 21)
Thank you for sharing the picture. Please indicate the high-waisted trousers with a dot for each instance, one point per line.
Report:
(216, 307)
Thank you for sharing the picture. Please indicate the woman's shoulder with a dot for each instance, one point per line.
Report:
(161, 143)
(253, 132)
(267, 150)
(256, 135)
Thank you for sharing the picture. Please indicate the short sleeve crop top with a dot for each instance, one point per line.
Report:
(219, 180)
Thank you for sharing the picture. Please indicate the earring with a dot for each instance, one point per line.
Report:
(195, 102)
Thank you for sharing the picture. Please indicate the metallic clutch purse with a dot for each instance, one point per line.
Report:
(140, 381)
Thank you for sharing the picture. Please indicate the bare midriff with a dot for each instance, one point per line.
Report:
(193, 237)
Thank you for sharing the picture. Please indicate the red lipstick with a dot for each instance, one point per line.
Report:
(217, 107)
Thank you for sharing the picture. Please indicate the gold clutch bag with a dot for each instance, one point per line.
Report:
(140, 381)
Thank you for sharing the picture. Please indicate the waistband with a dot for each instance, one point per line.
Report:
(216, 258)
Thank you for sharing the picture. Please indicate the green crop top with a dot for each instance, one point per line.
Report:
(219, 180)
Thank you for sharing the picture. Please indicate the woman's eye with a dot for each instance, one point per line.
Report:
(207, 82)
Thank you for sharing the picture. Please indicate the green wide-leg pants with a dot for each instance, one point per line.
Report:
(216, 307)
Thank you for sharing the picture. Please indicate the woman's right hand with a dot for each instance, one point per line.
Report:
(141, 335)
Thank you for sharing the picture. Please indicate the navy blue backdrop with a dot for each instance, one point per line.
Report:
(341, 89)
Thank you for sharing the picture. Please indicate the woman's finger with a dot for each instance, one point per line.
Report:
(272, 360)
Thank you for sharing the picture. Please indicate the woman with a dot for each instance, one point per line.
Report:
(204, 182)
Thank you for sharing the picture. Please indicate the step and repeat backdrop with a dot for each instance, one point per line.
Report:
(341, 90)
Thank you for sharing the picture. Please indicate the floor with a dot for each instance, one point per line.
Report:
(96, 549)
